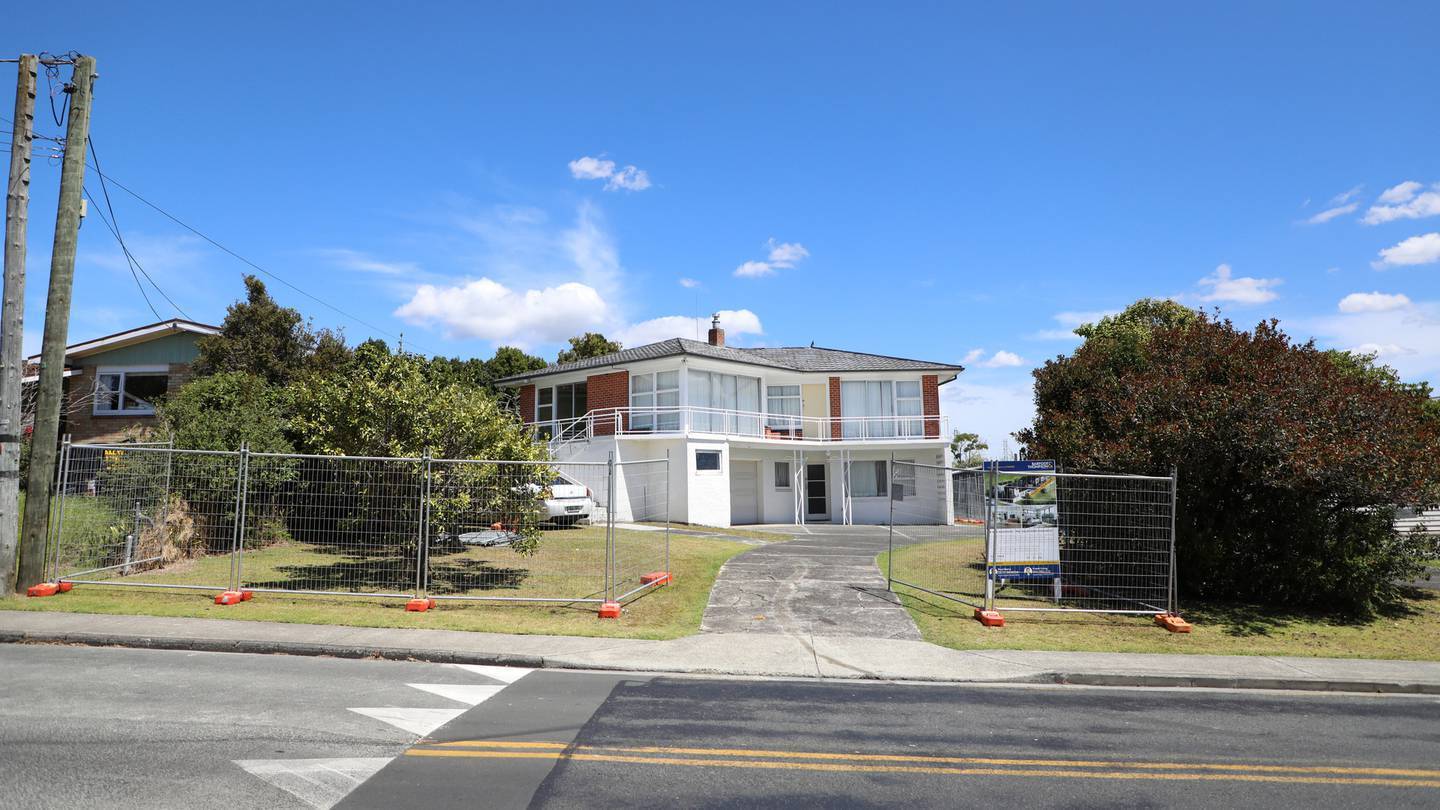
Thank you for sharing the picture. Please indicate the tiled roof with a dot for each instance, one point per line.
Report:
(799, 358)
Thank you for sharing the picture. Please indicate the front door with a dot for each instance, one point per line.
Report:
(817, 495)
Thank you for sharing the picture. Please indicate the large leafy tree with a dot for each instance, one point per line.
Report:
(258, 337)
(1291, 459)
(590, 344)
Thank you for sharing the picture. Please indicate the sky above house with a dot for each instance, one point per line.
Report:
(944, 181)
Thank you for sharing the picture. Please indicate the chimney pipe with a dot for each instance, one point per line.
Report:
(717, 335)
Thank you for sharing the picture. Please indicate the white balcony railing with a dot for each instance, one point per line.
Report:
(745, 424)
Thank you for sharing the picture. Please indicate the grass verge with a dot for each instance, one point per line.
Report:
(1408, 631)
(666, 612)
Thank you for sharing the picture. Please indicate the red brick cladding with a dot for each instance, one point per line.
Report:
(834, 407)
(603, 391)
(527, 403)
(930, 399)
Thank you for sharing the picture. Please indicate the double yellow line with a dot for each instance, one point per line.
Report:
(941, 765)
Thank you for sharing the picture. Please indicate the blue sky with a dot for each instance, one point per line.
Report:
(944, 181)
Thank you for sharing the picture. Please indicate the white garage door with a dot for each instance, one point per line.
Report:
(744, 492)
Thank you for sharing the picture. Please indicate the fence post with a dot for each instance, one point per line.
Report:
(890, 540)
(666, 569)
(237, 546)
(610, 556)
(987, 493)
(169, 463)
(422, 544)
(62, 482)
(1172, 603)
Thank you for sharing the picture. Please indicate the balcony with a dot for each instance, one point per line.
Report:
(689, 421)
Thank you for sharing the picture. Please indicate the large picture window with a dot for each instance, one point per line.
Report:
(129, 391)
(867, 479)
(655, 401)
(782, 406)
(871, 409)
(730, 404)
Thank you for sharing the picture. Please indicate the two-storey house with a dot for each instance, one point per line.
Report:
(762, 435)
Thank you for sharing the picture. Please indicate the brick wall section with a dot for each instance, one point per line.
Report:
(527, 403)
(930, 404)
(834, 407)
(607, 391)
(84, 425)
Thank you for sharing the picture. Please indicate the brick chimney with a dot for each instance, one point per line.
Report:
(717, 335)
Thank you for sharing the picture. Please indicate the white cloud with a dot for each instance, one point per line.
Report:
(780, 255)
(689, 283)
(1382, 350)
(1331, 213)
(1407, 339)
(1403, 202)
(364, 263)
(735, 322)
(1004, 359)
(1068, 322)
(1225, 287)
(1373, 302)
(992, 411)
(971, 356)
(589, 168)
(1400, 193)
(755, 270)
(1423, 249)
(628, 178)
(1345, 196)
(489, 310)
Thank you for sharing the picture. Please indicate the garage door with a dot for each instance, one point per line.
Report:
(744, 492)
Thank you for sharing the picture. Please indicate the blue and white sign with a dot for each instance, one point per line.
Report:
(1021, 466)
(1025, 526)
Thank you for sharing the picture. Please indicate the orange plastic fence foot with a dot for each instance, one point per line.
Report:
(419, 605)
(246, 596)
(610, 610)
(656, 578)
(63, 586)
(989, 618)
(1171, 622)
(43, 589)
(231, 597)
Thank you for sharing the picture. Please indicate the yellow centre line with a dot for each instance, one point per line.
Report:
(923, 764)
(924, 769)
(925, 758)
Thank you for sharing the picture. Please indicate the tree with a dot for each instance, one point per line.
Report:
(968, 449)
(258, 337)
(1291, 461)
(590, 344)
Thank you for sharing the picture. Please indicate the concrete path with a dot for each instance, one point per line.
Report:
(822, 583)
(744, 654)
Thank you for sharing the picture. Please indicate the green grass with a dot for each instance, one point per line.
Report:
(1408, 631)
(567, 562)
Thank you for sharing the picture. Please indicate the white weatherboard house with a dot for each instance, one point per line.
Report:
(769, 435)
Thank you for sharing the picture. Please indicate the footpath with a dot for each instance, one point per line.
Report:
(743, 654)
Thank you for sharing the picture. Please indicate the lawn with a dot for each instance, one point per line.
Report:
(1409, 631)
(568, 563)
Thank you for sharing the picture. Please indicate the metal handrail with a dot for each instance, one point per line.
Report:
(684, 419)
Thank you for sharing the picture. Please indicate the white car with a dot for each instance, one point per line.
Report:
(567, 501)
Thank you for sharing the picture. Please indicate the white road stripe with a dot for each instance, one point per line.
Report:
(502, 674)
(415, 721)
(470, 694)
(319, 783)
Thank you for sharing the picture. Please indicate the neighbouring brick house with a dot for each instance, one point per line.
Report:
(764, 435)
(113, 382)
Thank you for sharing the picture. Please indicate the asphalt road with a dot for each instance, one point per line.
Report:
(171, 729)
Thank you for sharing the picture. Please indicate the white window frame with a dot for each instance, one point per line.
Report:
(124, 372)
(783, 421)
(782, 482)
(915, 426)
(882, 478)
(719, 461)
(866, 425)
(668, 418)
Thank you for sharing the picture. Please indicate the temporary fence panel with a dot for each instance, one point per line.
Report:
(1038, 541)
(129, 512)
(506, 531)
(931, 551)
(357, 526)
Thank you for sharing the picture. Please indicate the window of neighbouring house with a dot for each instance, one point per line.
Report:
(782, 476)
(867, 479)
(129, 391)
(707, 461)
(782, 403)
(655, 401)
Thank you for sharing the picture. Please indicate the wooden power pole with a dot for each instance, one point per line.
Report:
(12, 355)
(57, 326)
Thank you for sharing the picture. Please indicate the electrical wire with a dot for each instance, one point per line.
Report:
(128, 261)
(247, 262)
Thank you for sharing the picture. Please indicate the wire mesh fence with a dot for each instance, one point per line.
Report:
(1023, 539)
(356, 526)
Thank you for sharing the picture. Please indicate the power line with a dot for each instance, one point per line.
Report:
(128, 262)
(246, 261)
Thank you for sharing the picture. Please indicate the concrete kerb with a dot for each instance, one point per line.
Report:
(738, 655)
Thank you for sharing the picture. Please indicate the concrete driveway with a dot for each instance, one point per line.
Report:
(824, 582)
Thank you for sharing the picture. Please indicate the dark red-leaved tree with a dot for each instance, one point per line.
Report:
(1292, 459)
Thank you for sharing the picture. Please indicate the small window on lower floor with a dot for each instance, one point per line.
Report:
(867, 479)
(782, 475)
(707, 461)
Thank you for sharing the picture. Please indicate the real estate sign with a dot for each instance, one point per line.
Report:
(1025, 527)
